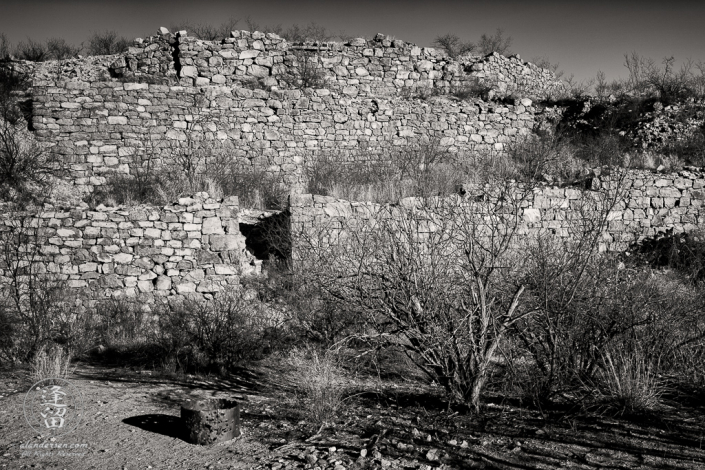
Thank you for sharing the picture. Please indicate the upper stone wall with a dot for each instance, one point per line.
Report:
(171, 94)
(378, 67)
(108, 126)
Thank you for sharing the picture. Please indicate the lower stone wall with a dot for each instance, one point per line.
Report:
(647, 203)
(190, 249)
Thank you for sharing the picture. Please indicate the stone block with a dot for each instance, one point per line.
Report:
(185, 288)
(145, 286)
(122, 258)
(227, 242)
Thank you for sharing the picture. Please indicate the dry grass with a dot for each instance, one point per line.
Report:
(319, 382)
(629, 382)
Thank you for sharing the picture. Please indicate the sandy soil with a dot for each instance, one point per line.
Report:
(131, 420)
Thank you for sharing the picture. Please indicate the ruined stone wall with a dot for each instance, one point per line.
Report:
(650, 203)
(105, 126)
(381, 66)
(172, 95)
(190, 249)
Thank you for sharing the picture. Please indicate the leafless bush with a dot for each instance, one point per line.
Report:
(473, 88)
(312, 32)
(495, 43)
(453, 45)
(26, 168)
(588, 305)
(106, 43)
(435, 277)
(208, 32)
(5, 47)
(420, 168)
(218, 334)
(546, 156)
(666, 83)
(35, 310)
(59, 49)
(302, 69)
(32, 50)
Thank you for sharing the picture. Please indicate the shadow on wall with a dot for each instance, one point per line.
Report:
(267, 234)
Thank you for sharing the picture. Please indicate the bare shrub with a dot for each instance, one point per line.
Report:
(689, 150)
(319, 383)
(218, 334)
(473, 88)
(312, 32)
(547, 156)
(421, 168)
(34, 308)
(668, 84)
(589, 306)
(32, 50)
(495, 43)
(301, 69)
(26, 168)
(106, 43)
(59, 49)
(208, 32)
(435, 277)
(5, 47)
(453, 45)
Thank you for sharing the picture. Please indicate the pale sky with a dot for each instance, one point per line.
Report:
(582, 36)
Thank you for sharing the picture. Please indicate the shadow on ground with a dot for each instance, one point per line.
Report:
(166, 425)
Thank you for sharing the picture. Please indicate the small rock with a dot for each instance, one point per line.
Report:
(363, 453)
(432, 455)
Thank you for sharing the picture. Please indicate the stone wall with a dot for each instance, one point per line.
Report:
(381, 66)
(190, 249)
(106, 126)
(650, 202)
(172, 95)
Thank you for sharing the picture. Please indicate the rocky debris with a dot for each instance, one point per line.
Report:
(665, 125)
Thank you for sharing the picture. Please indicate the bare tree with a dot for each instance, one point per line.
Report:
(301, 69)
(453, 45)
(497, 43)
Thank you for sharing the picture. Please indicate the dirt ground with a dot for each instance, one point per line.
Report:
(131, 421)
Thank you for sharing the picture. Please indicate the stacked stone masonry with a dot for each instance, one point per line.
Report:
(186, 250)
(649, 203)
(381, 66)
(172, 93)
(111, 126)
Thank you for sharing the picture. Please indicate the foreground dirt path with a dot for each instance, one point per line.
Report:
(131, 421)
